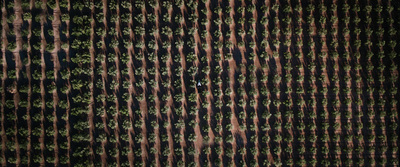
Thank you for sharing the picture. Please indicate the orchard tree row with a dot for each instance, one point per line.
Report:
(283, 83)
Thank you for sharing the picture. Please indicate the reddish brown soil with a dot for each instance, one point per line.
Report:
(238, 65)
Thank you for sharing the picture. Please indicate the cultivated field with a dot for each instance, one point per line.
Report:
(283, 83)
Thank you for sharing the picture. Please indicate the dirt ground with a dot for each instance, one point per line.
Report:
(109, 121)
